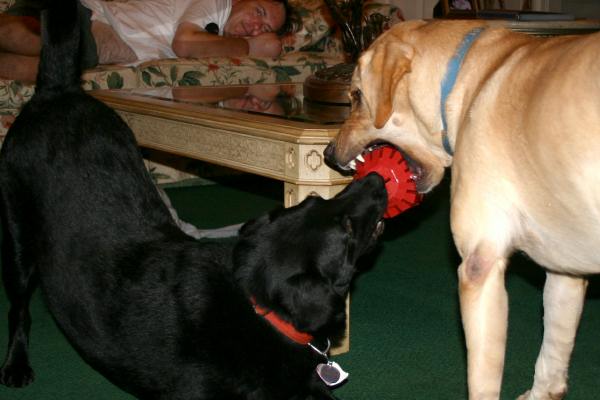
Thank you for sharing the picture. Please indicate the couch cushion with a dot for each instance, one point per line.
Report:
(110, 77)
(292, 67)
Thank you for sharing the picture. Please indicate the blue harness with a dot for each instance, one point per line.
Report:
(450, 79)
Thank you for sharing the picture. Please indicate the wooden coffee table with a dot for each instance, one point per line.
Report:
(193, 122)
(266, 130)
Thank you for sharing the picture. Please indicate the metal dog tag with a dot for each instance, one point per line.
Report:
(331, 373)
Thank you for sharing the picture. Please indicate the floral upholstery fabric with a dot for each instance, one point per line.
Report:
(291, 67)
(110, 77)
(318, 32)
(13, 94)
(316, 24)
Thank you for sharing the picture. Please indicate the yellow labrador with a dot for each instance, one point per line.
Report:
(518, 118)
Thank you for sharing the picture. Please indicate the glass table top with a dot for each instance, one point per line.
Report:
(277, 100)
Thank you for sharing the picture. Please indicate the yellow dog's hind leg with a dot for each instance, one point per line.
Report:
(563, 303)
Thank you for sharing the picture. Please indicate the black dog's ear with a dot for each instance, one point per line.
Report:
(314, 306)
(341, 268)
(346, 270)
(315, 299)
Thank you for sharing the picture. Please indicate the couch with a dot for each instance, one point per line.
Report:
(316, 45)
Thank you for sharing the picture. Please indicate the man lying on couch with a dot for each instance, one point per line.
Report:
(134, 31)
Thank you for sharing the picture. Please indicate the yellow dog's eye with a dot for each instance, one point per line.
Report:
(356, 95)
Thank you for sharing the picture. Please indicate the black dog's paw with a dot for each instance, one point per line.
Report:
(16, 376)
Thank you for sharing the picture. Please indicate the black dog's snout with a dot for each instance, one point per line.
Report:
(372, 185)
(377, 183)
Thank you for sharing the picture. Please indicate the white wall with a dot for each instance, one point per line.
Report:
(410, 9)
(416, 9)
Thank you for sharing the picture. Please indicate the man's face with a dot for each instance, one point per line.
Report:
(253, 17)
(253, 103)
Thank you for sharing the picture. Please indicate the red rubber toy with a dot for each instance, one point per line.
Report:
(399, 182)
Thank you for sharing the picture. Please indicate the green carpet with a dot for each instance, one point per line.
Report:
(406, 337)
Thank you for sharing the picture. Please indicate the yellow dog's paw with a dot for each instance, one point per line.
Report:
(550, 396)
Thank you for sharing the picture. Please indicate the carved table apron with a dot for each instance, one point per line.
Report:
(287, 150)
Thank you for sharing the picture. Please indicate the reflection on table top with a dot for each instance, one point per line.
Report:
(279, 100)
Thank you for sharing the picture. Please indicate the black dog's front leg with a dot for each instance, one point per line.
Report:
(19, 283)
(16, 371)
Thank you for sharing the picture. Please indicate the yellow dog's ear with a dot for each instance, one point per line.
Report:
(380, 73)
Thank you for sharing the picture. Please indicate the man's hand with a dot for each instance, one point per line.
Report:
(264, 45)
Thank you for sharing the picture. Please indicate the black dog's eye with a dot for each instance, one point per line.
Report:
(356, 96)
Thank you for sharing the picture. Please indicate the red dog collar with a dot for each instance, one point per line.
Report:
(282, 326)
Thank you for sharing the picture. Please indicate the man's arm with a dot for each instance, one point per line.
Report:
(191, 41)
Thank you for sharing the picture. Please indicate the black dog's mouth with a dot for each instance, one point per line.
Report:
(372, 241)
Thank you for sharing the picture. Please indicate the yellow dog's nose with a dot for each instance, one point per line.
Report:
(330, 159)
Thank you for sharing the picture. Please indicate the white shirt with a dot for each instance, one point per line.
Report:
(148, 26)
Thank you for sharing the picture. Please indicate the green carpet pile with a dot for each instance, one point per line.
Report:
(406, 336)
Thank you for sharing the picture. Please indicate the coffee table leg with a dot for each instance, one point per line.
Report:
(344, 345)
(294, 194)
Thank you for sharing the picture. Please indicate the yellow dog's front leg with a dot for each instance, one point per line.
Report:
(484, 309)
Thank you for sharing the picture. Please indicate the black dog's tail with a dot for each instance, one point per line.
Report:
(60, 68)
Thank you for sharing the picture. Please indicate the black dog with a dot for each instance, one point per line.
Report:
(159, 314)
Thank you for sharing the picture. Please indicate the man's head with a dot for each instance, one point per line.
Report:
(253, 17)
